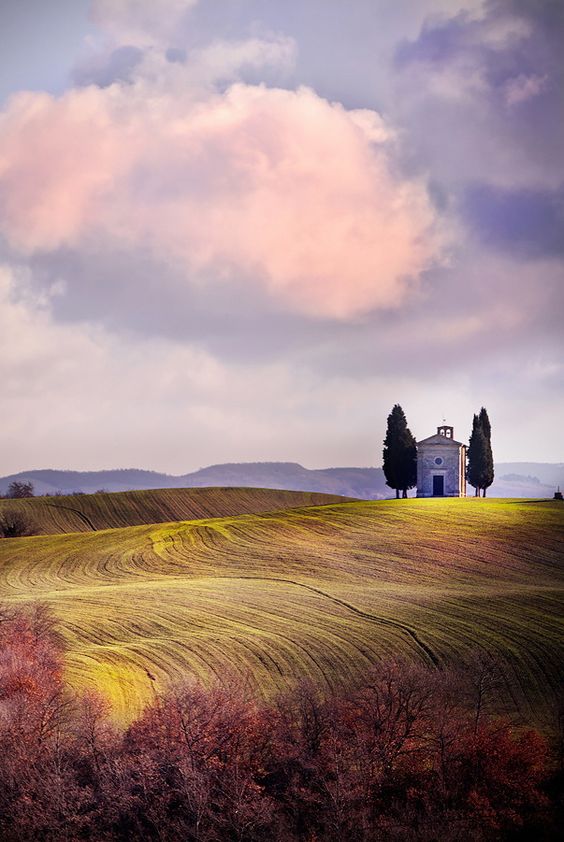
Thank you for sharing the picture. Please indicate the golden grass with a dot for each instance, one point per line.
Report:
(317, 591)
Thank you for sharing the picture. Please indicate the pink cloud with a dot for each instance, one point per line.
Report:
(281, 188)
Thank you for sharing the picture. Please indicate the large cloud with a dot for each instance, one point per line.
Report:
(280, 188)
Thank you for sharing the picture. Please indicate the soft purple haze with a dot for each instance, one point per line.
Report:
(240, 230)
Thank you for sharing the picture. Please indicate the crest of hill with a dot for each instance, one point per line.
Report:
(92, 512)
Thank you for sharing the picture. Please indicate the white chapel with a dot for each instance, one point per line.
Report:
(441, 465)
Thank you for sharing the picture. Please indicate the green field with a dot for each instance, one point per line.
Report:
(90, 512)
(319, 591)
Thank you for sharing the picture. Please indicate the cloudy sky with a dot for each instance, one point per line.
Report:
(240, 230)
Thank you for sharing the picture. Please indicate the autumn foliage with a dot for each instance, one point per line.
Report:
(411, 754)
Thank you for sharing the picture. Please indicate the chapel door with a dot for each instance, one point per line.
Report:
(438, 486)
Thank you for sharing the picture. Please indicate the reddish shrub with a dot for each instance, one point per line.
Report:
(412, 754)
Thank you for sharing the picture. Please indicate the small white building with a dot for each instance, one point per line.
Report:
(441, 465)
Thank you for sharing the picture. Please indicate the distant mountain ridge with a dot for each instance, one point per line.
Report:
(513, 479)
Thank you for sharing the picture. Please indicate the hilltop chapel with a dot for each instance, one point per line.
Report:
(441, 465)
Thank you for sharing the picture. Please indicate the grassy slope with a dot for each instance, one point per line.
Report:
(318, 591)
(88, 512)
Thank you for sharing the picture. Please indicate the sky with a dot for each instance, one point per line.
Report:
(241, 230)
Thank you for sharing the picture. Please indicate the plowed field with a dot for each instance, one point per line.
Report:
(319, 591)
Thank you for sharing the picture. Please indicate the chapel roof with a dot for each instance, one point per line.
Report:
(439, 439)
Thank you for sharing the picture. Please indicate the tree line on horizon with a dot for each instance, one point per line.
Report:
(399, 458)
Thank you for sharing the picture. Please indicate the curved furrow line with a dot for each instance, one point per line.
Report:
(77, 512)
(347, 605)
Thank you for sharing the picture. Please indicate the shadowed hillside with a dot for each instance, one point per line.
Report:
(90, 512)
(318, 592)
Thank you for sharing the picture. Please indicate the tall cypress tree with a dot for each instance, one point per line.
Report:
(480, 471)
(476, 449)
(487, 474)
(400, 453)
(485, 422)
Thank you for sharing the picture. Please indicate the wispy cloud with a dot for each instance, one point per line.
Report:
(140, 22)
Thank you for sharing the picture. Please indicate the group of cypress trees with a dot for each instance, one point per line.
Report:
(400, 454)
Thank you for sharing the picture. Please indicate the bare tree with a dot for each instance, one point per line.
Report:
(20, 488)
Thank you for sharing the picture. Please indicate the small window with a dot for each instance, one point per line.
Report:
(438, 461)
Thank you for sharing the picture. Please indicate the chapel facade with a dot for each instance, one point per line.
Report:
(441, 465)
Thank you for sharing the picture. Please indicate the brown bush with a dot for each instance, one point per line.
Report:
(15, 523)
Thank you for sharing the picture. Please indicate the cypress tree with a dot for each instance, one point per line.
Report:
(480, 471)
(487, 474)
(400, 453)
(476, 450)
(485, 422)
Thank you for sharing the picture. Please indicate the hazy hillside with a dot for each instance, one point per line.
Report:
(366, 483)
(513, 479)
(527, 479)
(89, 482)
(317, 592)
(88, 512)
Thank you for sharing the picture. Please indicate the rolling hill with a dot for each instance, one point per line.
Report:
(317, 591)
(91, 512)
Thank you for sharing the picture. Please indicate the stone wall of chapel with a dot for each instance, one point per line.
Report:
(450, 469)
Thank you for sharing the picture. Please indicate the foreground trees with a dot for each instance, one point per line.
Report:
(400, 453)
(410, 754)
(480, 470)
